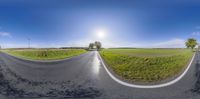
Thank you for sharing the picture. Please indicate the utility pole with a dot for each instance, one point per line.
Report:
(29, 42)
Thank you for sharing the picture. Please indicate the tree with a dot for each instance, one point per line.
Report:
(191, 43)
(98, 45)
(91, 45)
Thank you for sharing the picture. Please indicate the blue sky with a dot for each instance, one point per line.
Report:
(126, 23)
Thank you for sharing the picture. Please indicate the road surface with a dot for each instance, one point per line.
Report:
(83, 77)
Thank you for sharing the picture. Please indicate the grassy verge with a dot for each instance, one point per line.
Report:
(45, 54)
(146, 65)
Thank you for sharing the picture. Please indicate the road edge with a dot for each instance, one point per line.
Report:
(147, 86)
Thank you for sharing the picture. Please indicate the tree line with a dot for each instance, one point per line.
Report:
(96, 45)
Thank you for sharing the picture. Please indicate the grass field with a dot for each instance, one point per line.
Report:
(45, 54)
(146, 65)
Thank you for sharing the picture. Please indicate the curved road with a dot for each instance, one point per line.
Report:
(83, 77)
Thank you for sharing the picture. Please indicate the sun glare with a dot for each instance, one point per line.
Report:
(101, 33)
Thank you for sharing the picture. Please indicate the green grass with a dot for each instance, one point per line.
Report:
(45, 54)
(146, 65)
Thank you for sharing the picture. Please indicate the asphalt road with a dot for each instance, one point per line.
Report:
(83, 77)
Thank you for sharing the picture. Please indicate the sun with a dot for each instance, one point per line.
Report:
(100, 33)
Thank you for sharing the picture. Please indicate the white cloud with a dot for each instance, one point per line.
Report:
(173, 43)
(10, 45)
(77, 43)
(196, 33)
(5, 34)
(197, 27)
(105, 43)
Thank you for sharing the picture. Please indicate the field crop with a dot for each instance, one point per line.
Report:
(146, 65)
(45, 54)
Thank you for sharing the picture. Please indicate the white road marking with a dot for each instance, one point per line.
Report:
(146, 86)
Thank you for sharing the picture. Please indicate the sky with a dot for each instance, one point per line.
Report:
(115, 23)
